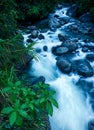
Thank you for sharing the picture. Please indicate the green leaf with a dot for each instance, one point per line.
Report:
(54, 102)
(7, 110)
(12, 118)
(42, 100)
(23, 106)
(23, 113)
(7, 89)
(31, 106)
(19, 121)
(18, 83)
(49, 108)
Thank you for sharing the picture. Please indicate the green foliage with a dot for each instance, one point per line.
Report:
(24, 103)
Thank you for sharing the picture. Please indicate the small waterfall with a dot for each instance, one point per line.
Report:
(74, 110)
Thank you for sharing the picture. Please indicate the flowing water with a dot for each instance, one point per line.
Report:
(74, 110)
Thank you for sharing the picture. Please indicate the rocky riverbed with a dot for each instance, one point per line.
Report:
(65, 48)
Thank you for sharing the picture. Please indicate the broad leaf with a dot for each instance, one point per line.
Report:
(7, 110)
(23, 113)
(54, 102)
(49, 108)
(12, 118)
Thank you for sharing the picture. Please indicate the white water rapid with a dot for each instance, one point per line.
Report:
(74, 110)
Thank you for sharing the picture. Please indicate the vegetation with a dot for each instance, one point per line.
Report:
(22, 106)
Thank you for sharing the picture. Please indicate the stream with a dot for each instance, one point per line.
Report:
(73, 86)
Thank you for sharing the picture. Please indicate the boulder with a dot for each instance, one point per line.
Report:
(59, 50)
(91, 93)
(72, 11)
(45, 48)
(41, 36)
(29, 40)
(71, 45)
(86, 17)
(91, 125)
(64, 65)
(62, 37)
(53, 23)
(34, 34)
(90, 57)
(83, 68)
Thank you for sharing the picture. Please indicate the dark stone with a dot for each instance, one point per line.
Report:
(31, 28)
(85, 49)
(53, 23)
(71, 45)
(22, 64)
(84, 68)
(38, 50)
(72, 11)
(90, 57)
(29, 40)
(85, 17)
(64, 65)
(62, 37)
(34, 34)
(92, 92)
(45, 48)
(31, 80)
(41, 36)
(85, 85)
(91, 125)
(59, 50)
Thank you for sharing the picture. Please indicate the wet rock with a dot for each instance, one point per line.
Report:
(85, 49)
(31, 80)
(84, 68)
(34, 34)
(20, 65)
(92, 92)
(72, 10)
(62, 37)
(53, 23)
(41, 36)
(85, 85)
(71, 45)
(38, 50)
(31, 28)
(59, 50)
(90, 57)
(64, 65)
(91, 125)
(85, 17)
(45, 48)
(29, 40)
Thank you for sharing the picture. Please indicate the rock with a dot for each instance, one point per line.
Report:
(62, 37)
(31, 80)
(34, 34)
(92, 92)
(41, 36)
(45, 48)
(20, 65)
(53, 23)
(66, 19)
(59, 50)
(38, 50)
(90, 57)
(64, 65)
(85, 85)
(85, 17)
(31, 28)
(29, 40)
(85, 49)
(91, 125)
(72, 10)
(84, 68)
(71, 45)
